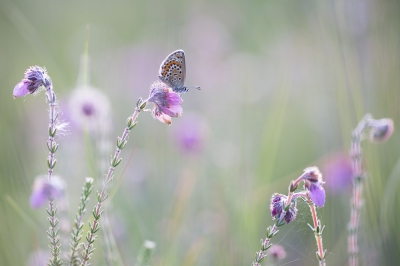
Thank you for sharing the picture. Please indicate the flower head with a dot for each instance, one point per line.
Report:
(277, 252)
(312, 174)
(89, 108)
(381, 130)
(44, 190)
(277, 205)
(166, 102)
(35, 77)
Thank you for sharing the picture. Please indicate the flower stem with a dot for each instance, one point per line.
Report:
(52, 233)
(318, 233)
(76, 234)
(356, 200)
(102, 196)
(265, 245)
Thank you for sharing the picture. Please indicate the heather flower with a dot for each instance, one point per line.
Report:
(35, 77)
(89, 108)
(381, 130)
(312, 174)
(44, 190)
(337, 172)
(38, 258)
(277, 252)
(316, 193)
(190, 133)
(166, 102)
(277, 205)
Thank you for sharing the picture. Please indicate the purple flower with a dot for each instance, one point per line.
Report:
(317, 193)
(190, 133)
(277, 252)
(277, 206)
(166, 102)
(43, 190)
(338, 172)
(313, 182)
(35, 77)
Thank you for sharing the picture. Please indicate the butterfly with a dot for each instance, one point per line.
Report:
(173, 72)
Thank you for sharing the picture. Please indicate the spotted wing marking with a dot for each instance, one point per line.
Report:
(173, 71)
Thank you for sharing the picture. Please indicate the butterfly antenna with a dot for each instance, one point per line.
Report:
(193, 87)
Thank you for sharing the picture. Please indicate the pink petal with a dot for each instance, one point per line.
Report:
(37, 199)
(317, 195)
(163, 118)
(21, 89)
(177, 109)
(167, 111)
(174, 98)
(172, 110)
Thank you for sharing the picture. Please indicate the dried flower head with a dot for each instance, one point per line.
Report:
(166, 102)
(381, 130)
(35, 77)
(89, 108)
(277, 206)
(277, 252)
(312, 174)
(43, 190)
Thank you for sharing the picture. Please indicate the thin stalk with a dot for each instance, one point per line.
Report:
(76, 234)
(52, 233)
(356, 200)
(318, 233)
(102, 196)
(265, 245)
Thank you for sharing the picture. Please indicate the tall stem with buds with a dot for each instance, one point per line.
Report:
(36, 77)
(76, 234)
(358, 179)
(380, 130)
(102, 196)
(52, 145)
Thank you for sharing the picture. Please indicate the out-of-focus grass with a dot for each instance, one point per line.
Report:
(283, 84)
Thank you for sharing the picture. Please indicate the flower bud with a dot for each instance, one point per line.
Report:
(381, 130)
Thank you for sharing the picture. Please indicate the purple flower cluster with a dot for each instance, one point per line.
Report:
(278, 205)
(283, 208)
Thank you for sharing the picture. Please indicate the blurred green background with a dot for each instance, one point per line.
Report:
(283, 85)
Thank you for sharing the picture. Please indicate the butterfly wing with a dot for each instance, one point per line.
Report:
(173, 71)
